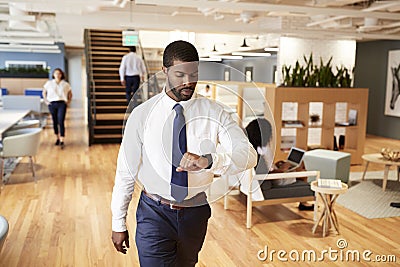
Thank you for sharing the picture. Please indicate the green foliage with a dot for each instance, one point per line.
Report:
(14, 70)
(312, 75)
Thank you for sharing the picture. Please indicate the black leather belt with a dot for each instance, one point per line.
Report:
(163, 201)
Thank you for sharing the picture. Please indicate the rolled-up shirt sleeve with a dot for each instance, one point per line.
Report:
(128, 162)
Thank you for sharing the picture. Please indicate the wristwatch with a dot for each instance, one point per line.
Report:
(210, 160)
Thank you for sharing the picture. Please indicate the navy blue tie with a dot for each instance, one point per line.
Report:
(179, 180)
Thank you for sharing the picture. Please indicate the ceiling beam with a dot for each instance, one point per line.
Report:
(337, 2)
(332, 34)
(314, 23)
(7, 17)
(380, 6)
(24, 34)
(31, 40)
(241, 6)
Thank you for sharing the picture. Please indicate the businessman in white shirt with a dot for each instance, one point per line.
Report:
(173, 212)
(131, 71)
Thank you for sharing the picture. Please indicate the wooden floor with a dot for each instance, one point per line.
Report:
(65, 219)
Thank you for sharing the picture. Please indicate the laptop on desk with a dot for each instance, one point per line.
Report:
(295, 158)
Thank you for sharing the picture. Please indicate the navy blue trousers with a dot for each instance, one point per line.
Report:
(131, 86)
(58, 109)
(167, 237)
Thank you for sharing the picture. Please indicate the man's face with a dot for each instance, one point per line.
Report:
(182, 78)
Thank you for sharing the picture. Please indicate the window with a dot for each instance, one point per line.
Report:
(25, 64)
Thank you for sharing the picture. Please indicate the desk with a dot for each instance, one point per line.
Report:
(9, 117)
(328, 215)
(378, 158)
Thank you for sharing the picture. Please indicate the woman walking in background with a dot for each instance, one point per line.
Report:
(57, 94)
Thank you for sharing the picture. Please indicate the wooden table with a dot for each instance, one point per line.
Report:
(328, 215)
(378, 158)
(9, 117)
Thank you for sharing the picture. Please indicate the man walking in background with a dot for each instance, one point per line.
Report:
(131, 71)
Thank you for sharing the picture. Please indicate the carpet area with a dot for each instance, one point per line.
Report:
(367, 198)
(354, 176)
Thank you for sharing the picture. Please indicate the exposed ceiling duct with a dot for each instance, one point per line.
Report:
(247, 17)
(298, 18)
(22, 28)
(18, 18)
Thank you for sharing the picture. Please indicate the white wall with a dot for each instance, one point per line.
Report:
(343, 52)
(75, 68)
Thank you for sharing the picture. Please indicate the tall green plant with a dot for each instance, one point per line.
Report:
(286, 75)
(310, 78)
(326, 77)
(311, 75)
(343, 77)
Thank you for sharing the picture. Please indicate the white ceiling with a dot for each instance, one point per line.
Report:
(45, 21)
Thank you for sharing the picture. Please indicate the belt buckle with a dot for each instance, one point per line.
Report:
(172, 206)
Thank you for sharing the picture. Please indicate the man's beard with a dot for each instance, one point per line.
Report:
(178, 93)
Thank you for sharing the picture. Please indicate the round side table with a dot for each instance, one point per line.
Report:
(328, 215)
(378, 158)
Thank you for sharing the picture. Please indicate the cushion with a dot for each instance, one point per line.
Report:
(297, 189)
(331, 164)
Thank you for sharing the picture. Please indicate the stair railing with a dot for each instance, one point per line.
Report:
(91, 87)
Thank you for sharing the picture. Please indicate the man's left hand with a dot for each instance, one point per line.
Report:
(192, 162)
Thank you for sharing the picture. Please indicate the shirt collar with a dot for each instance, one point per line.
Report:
(170, 103)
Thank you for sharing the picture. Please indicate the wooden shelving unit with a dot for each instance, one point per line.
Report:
(239, 96)
(355, 98)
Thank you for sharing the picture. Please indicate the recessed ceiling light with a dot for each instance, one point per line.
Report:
(251, 54)
(213, 59)
(231, 57)
(271, 49)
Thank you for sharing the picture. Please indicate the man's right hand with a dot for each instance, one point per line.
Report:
(123, 83)
(118, 239)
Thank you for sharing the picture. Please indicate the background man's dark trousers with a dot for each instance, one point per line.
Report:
(131, 86)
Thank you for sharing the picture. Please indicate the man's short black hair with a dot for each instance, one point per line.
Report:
(132, 49)
(179, 50)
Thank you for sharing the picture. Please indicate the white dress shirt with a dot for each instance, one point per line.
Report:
(146, 148)
(131, 65)
(57, 92)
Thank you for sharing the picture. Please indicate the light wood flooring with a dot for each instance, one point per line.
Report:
(64, 219)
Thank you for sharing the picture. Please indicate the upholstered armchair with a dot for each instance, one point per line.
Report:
(268, 194)
(20, 143)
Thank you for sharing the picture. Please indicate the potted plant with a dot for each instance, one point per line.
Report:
(312, 75)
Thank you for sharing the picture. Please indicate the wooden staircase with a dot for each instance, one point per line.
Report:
(107, 106)
(106, 96)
